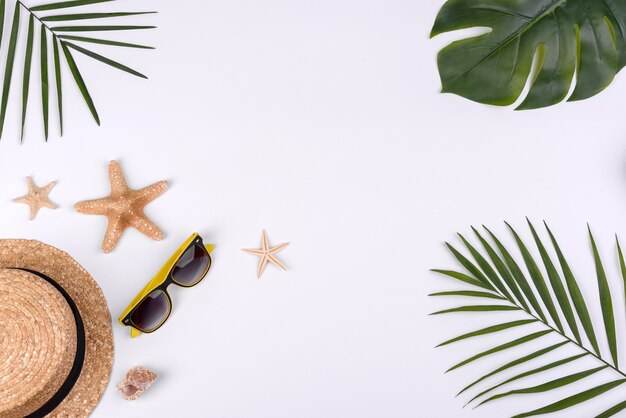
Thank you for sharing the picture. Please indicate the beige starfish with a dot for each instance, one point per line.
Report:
(37, 197)
(267, 255)
(124, 208)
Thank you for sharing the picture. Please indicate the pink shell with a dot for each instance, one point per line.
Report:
(137, 381)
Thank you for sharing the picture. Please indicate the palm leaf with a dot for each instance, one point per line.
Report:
(553, 384)
(606, 302)
(60, 43)
(8, 69)
(66, 4)
(531, 372)
(103, 28)
(57, 76)
(576, 295)
(571, 38)
(2, 11)
(573, 400)
(517, 274)
(502, 347)
(511, 364)
(86, 16)
(538, 280)
(104, 60)
(489, 330)
(502, 270)
(27, 64)
(478, 308)
(487, 269)
(561, 297)
(557, 285)
(612, 411)
(80, 82)
(103, 42)
(44, 80)
(464, 278)
(469, 293)
(622, 265)
(478, 275)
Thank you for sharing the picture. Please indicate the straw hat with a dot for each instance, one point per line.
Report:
(56, 345)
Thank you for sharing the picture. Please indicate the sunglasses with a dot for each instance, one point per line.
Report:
(153, 305)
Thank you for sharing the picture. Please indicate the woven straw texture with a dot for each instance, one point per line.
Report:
(38, 332)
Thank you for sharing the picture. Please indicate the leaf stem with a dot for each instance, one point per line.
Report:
(36, 17)
(582, 347)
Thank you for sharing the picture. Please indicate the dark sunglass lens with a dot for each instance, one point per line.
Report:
(151, 312)
(191, 266)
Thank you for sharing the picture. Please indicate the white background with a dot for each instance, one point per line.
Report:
(322, 122)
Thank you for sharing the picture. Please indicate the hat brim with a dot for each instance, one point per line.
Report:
(90, 301)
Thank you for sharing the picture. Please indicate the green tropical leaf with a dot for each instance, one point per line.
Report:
(570, 38)
(104, 28)
(561, 297)
(553, 384)
(66, 4)
(464, 278)
(104, 60)
(573, 400)
(44, 80)
(622, 266)
(486, 268)
(606, 302)
(502, 270)
(86, 16)
(538, 280)
(518, 276)
(541, 369)
(507, 366)
(80, 82)
(489, 330)
(57, 77)
(60, 42)
(614, 410)
(470, 293)
(27, 64)
(2, 12)
(478, 308)
(557, 285)
(502, 347)
(8, 69)
(103, 42)
(576, 295)
(478, 275)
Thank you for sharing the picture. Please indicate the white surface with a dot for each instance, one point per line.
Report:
(322, 122)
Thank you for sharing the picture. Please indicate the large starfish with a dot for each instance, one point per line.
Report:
(124, 208)
(267, 254)
(37, 197)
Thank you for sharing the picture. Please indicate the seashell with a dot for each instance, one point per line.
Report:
(137, 381)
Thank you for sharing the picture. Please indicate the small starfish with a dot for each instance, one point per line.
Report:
(124, 208)
(267, 255)
(37, 197)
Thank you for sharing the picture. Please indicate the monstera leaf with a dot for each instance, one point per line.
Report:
(553, 309)
(585, 39)
(58, 32)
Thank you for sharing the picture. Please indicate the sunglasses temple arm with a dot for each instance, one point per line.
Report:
(209, 247)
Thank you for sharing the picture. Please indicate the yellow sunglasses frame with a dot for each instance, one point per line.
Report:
(158, 280)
